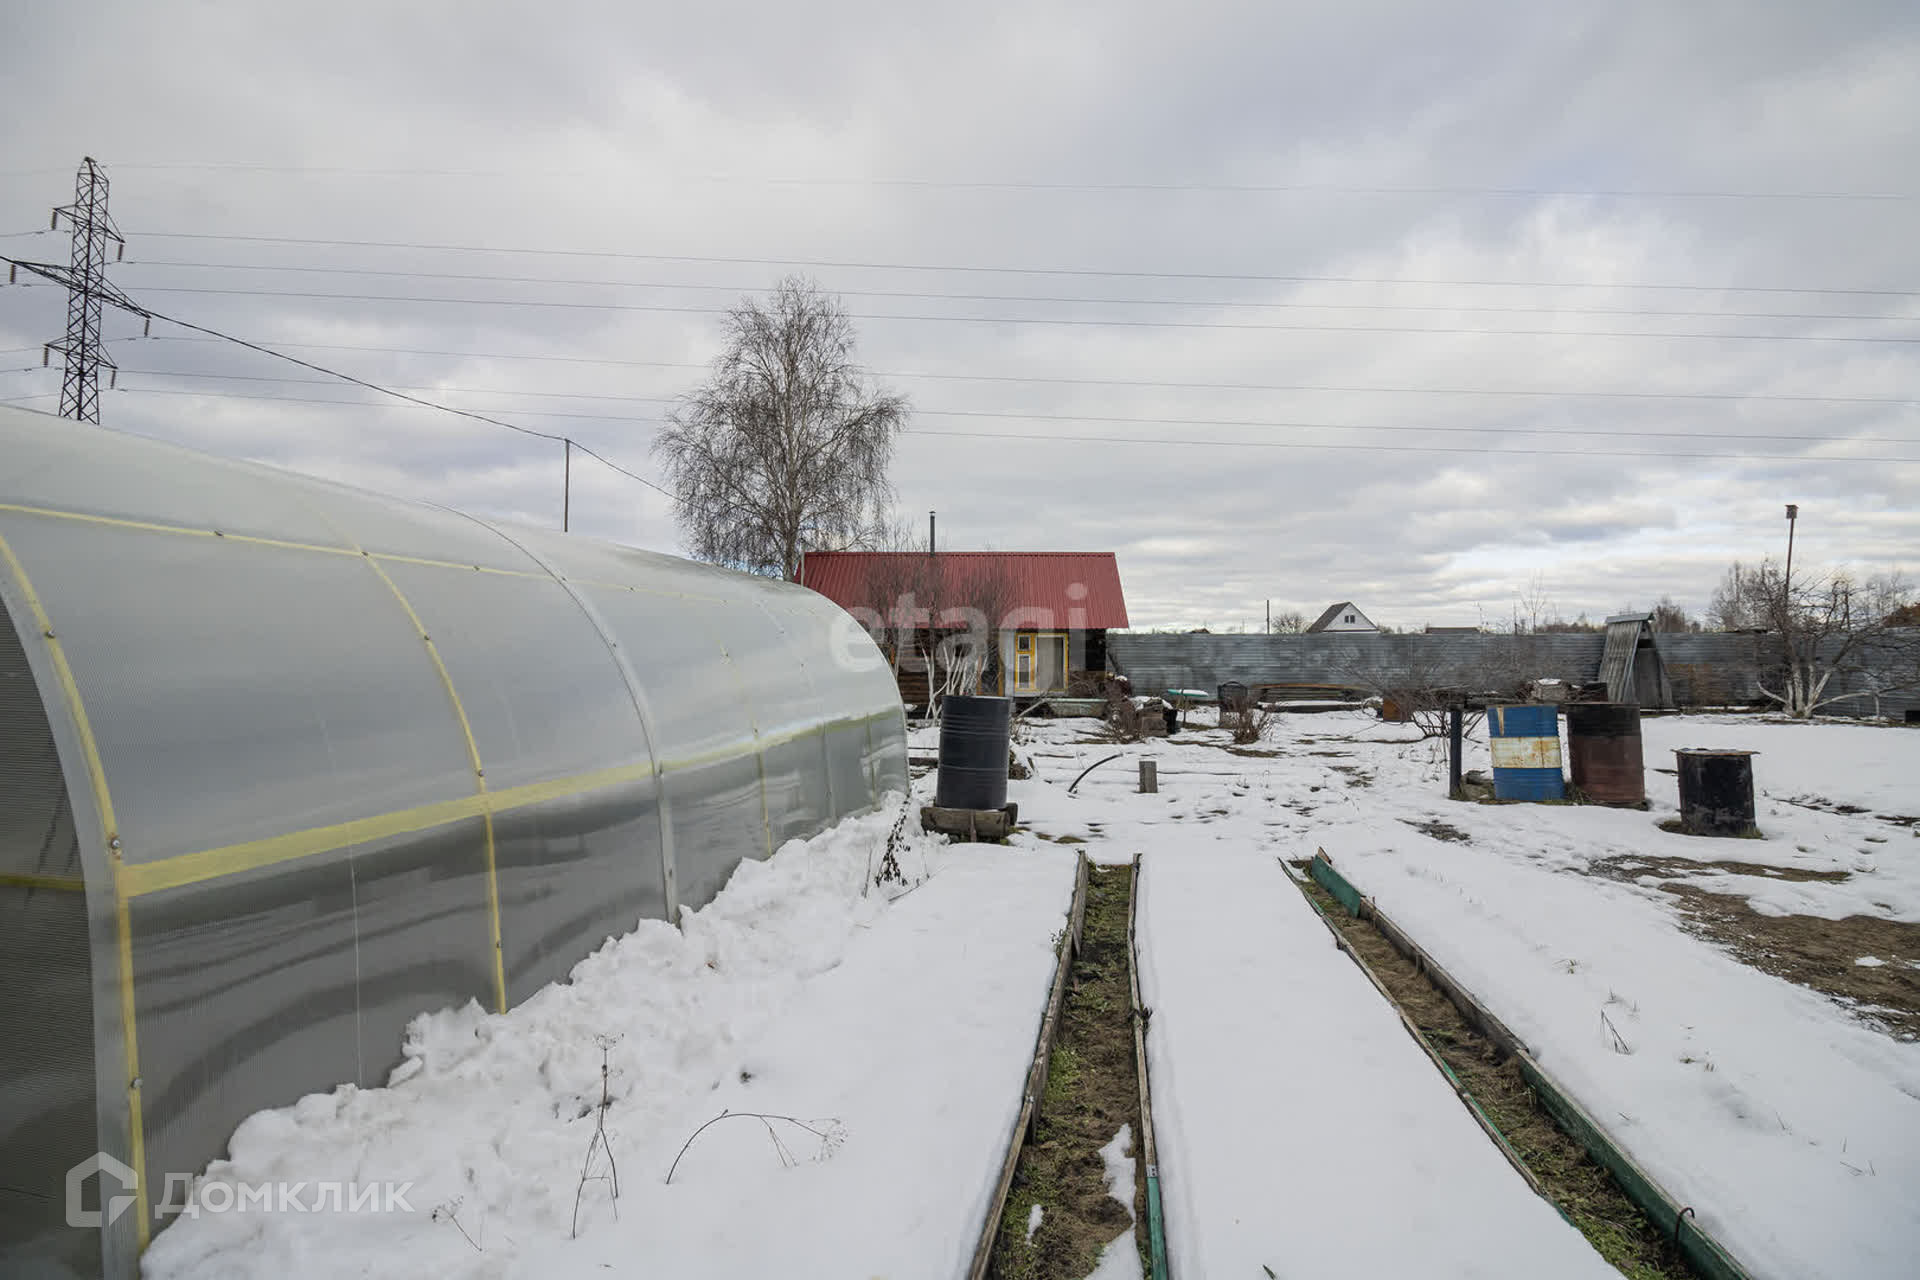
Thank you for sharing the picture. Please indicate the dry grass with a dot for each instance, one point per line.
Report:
(1091, 1091)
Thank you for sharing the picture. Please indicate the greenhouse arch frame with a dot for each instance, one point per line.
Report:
(284, 763)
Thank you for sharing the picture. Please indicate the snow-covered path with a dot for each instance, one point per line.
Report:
(1300, 1128)
(903, 1031)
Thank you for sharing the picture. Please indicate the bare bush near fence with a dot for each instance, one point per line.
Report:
(1421, 683)
(1248, 726)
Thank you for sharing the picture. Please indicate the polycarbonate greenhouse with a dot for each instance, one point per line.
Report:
(284, 764)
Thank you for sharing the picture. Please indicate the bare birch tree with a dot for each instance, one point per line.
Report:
(785, 448)
(1829, 625)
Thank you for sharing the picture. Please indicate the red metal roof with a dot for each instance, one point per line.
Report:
(1033, 590)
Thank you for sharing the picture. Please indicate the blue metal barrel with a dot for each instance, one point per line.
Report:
(1526, 752)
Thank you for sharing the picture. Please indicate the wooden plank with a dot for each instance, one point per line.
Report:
(1068, 949)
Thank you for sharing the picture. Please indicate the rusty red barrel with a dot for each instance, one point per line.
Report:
(1603, 741)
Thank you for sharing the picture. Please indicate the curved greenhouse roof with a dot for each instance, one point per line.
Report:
(284, 763)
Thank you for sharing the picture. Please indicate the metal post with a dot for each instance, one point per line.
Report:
(1454, 717)
(930, 516)
(1786, 582)
(566, 490)
(1149, 778)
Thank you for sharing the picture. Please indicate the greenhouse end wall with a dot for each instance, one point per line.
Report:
(306, 761)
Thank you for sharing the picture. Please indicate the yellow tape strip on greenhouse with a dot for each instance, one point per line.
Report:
(59, 884)
(103, 800)
(191, 868)
(479, 784)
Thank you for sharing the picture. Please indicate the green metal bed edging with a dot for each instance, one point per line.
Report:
(1700, 1251)
(1158, 1266)
(1336, 884)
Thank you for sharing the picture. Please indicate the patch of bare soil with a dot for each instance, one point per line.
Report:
(1091, 1091)
(1440, 830)
(1633, 866)
(1808, 950)
(1582, 1189)
(1819, 953)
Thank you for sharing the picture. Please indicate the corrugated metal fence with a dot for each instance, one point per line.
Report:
(1707, 669)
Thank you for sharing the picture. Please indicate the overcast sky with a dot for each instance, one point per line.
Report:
(1288, 302)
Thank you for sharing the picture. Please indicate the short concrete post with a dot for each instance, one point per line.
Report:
(1149, 778)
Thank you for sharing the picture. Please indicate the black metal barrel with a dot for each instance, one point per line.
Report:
(1603, 741)
(975, 735)
(1233, 697)
(1716, 792)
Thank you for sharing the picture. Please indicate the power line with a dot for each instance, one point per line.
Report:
(422, 404)
(1017, 416)
(1284, 444)
(1074, 322)
(1043, 271)
(1003, 184)
(150, 315)
(404, 396)
(1403, 448)
(1082, 300)
(1138, 383)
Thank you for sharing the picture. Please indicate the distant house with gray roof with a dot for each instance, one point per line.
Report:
(1345, 616)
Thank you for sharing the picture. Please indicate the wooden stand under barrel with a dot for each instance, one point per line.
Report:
(970, 824)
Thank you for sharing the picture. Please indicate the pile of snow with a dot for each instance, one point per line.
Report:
(1120, 1259)
(895, 1036)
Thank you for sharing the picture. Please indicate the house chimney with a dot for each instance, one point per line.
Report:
(930, 516)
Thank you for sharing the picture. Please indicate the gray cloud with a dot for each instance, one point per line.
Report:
(596, 128)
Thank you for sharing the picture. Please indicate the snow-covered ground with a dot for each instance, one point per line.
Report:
(1300, 1129)
(1791, 1126)
(1120, 1259)
(899, 1033)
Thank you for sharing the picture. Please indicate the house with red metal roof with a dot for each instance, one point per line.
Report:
(1026, 624)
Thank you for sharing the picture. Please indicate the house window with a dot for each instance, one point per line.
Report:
(1039, 662)
(1349, 617)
